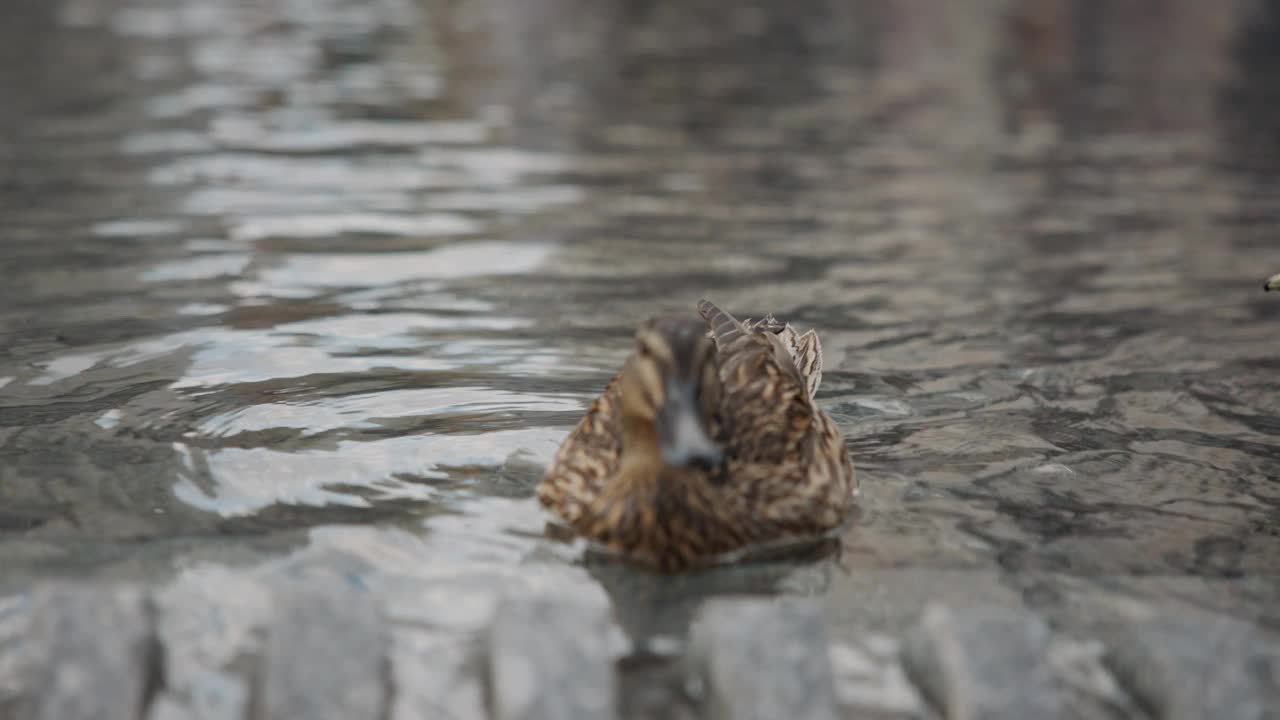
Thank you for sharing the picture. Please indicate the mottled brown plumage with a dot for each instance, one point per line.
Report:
(758, 462)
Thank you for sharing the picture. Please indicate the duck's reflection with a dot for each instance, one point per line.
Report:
(656, 611)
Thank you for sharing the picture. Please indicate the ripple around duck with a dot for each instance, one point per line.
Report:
(321, 284)
(240, 481)
(369, 409)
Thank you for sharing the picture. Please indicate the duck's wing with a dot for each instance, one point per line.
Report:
(587, 458)
(787, 457)
(766, 405)
(797, 497)
(805, 350)
(737, 340)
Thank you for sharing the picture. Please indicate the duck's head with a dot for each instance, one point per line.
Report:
(672, 382)
(1272, 283)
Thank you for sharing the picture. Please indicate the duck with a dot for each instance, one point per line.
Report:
(708, 441)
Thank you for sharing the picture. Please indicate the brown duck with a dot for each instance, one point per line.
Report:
(706, 443)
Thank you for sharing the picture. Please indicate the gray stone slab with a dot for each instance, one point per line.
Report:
(764, 659)
(218, 696)
(1090, 690)
(165, 707)
(547, 658)
(871, 682)
(1199, 666)
(325, 657)
(987, 663)
(15, 617)
(88, 652)
(211, 620)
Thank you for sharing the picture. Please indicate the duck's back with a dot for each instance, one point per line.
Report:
(788, 467)
(764, 401)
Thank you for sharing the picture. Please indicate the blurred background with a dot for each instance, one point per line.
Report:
(318, 286)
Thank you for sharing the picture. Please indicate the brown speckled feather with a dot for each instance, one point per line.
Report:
(805, 350)
(787, 458)
(786, 471)
(586, 459)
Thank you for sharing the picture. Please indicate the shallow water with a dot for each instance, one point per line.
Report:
(320, 285)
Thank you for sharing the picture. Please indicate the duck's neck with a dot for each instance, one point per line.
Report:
(642, 472)
(641, 461)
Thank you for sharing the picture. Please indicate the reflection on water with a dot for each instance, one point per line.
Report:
(322, 284)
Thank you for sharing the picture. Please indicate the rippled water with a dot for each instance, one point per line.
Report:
(321, 284)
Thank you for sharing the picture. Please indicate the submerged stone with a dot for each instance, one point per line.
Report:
(325, 658)
(87, 652)
(548, 659)
(1199, 667)
(983, 664)
(762, 660)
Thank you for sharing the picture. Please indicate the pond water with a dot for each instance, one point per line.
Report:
(320, 285)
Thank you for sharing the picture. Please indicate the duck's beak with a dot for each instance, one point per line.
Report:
(682, 431)
(1273, 283)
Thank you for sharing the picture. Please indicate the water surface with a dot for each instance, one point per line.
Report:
(318, 287)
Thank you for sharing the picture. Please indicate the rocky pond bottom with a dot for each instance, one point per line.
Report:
(76, 652)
